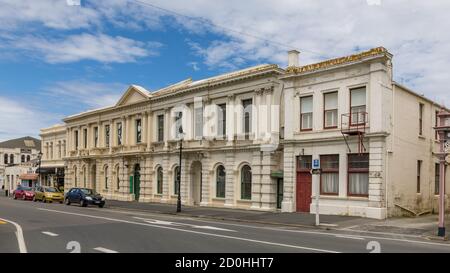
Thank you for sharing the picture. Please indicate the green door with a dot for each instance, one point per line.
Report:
(137, 182)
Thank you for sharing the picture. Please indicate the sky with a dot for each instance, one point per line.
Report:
(62, 57)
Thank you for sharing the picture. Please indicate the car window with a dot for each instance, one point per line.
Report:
(51, 189)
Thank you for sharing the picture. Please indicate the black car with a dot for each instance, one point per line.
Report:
(84, 197)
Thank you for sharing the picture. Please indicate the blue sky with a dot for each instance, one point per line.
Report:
(57, 59)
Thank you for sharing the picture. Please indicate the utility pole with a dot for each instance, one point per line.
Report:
(315, 172)
(443, 130)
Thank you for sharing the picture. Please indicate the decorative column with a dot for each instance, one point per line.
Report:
(206, 184)
(289, 179)
(230, 122)
(231, 179)
(377, 159)
(268, 189)
(256, 179)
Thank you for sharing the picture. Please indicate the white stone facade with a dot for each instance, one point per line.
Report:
(299, 113)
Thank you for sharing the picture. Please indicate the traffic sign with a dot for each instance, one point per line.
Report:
(316, 164)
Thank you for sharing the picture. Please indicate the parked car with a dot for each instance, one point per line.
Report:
(48, 194)
(84, 197)
(24, 193)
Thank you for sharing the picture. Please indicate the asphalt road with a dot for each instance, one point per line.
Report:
(60, 228)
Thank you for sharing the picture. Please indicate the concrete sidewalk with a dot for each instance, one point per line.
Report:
(240, 215)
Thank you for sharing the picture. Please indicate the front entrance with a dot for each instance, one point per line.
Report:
(137, 182)
(304, 183)
(196, 182)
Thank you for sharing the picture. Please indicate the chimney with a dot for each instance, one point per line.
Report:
(293, 56)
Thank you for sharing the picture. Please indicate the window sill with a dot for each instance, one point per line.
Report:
(421, 137)
(218, 199)
(246, 201)
(158, 195)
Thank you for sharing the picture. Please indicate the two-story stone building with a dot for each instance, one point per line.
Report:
(249, 138)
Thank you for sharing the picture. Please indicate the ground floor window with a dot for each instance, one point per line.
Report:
(246, 183)
(176, 178)
(220, 182)
(358, 174)
(329, 180)
(159, 180)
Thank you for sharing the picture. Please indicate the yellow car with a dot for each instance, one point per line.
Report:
(48, 194)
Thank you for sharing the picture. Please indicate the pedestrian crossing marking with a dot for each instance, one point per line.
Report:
(2, 222)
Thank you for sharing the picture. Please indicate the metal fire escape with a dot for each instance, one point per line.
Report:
(354, 124)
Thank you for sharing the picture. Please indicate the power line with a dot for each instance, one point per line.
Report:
(208, 22)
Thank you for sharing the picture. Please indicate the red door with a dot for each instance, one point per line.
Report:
(304, 183)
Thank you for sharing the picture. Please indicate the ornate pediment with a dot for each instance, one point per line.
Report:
(133, 95)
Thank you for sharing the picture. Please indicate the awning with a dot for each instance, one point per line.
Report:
(28, 176)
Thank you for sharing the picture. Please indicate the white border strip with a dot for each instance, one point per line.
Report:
(19, 235)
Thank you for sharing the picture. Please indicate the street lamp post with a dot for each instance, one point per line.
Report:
(443, 130)
(181, 135)
(39, 167)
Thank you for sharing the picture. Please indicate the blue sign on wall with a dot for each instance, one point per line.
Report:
(316, 164)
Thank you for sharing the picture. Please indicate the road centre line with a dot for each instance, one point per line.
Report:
(49, 233)
(299, 231)
(191, 231)
(105, 250)
(19, 235)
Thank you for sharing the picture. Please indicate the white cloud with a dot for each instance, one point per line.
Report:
(18, 119)
(415, 31)
(194, 66)
(85, 94)
(102, 48)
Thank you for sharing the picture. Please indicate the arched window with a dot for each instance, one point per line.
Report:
(176, 179)
(22, 159)
(75, 176)
(159, 180)
(11, 159)
(84, 177)
(117, 177)
(246, 182)
(220, 182)
(106, 177)
(5, 160)
(28, 158)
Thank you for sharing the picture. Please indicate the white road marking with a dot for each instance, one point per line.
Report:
(159, 222)
(19, 235)
(49, 233)
(349, 237)
(105, 250)
(192, 231)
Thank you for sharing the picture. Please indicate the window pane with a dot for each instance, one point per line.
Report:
(138, 131)
(331, 118)
(246, 183)
(358, 114)
(356, 161)
(220, 182)
(306, 104)
(329, 162)
(304, 162)
(161, 128)
(107, 135)
(358, 96)
(119, 133)
(330, 183)
(160, 181)
(306, 121)
(331, 101)
(222, 117)
(178, 124)
(359, 183)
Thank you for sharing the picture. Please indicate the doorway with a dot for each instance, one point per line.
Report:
(304, 183)
(279, 192)
(137, 181)
(196, 182)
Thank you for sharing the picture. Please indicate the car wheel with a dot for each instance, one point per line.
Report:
(67, 201)
(24, 197)
(83, 203)
(34, 199)
(43, 200)
(14, 196)
(101, 205)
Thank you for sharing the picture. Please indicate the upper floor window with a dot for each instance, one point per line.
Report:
(198, 122)
(107, 135)
(138, 131)
(51, 150)
(421, 106)
(59, 149)
(11, 159)
(330, 110)
(76, 139)
(436, 123)
(95, 137)
(85, 138)
(222, 120)
(28, 158)
(358, 105)
(119, 133)
(22, 159)
(306, 113)
(247, 105)
(419, 172)
(160, 128)
(5, 159)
